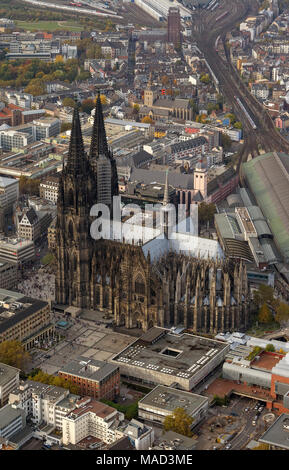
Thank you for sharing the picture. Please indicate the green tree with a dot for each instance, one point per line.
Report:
(264, 294)
(238, 125)
(45, 378)
(29, 186)
(206, 212)
(147, 120)
(36, 87)
(270, 348)
(265, 315)
(87, 105)
(282, 312)
(205, 78)
(68, 102)
(65, 126)
(225, 141)
(179, 422)
(13, 354)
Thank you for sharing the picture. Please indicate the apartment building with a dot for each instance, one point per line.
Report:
(33, 225)
(92, 418)
(44, 404)
(11, 139)
(45, 128)
(96, 379)
(48, 188)
(9, 379)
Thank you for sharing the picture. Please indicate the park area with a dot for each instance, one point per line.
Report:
(49, 26)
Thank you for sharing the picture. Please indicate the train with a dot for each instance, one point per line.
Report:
(74, 4)
(222, 16)
(253, 125)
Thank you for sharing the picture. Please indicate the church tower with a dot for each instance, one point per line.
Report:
(77, 194)
(99, 148)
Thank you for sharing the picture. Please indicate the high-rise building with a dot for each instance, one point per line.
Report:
(174, 26)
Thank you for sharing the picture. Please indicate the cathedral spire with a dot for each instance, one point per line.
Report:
(98, 141)
(76, 148)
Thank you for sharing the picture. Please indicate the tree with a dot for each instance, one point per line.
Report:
(87, 105)
(205, 78)
(179, 422)
(206, 212)
(103, 100)
(238, 125)
(265, 315)
(282, 312)
(65, 126)
(45, 378)
(29, 186)
(147, 120)
(270, 348)
(36, 87)
(68, 102)
(13, 354)
(264, 294)
(135, 109)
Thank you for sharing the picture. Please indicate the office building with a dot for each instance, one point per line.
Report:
(92, 418)
(174, 26)
(16, 251)
(12, 420)
(96, 379)
(24, 319)
(162, 401)
(9, 379)
(162, 357)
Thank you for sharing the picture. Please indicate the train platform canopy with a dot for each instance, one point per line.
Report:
(267, 177)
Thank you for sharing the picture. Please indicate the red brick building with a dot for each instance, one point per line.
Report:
(96, 379)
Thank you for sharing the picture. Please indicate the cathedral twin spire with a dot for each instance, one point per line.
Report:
(76, 155)
(78, 163)
(98, 141)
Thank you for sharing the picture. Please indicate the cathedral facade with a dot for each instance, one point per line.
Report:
(124, 279)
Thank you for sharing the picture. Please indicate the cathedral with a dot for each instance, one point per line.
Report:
(161, 282)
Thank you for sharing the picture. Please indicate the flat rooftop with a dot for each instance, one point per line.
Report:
(89, 368)
(7, 373)
(9, 414)
(176, 355)
(168, 399)
(267, 361)
(277, 434)
(15, 307)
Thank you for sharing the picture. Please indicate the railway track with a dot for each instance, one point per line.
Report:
(265, 136)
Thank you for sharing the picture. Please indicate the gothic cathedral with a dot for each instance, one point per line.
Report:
(119, 278)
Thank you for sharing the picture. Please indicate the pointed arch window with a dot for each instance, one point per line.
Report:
(139, 285)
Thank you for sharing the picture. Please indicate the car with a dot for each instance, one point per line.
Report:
(215, 448)
(253, 423)
(246, 409)
(228, 446)
(234, 414)
(256, 407)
